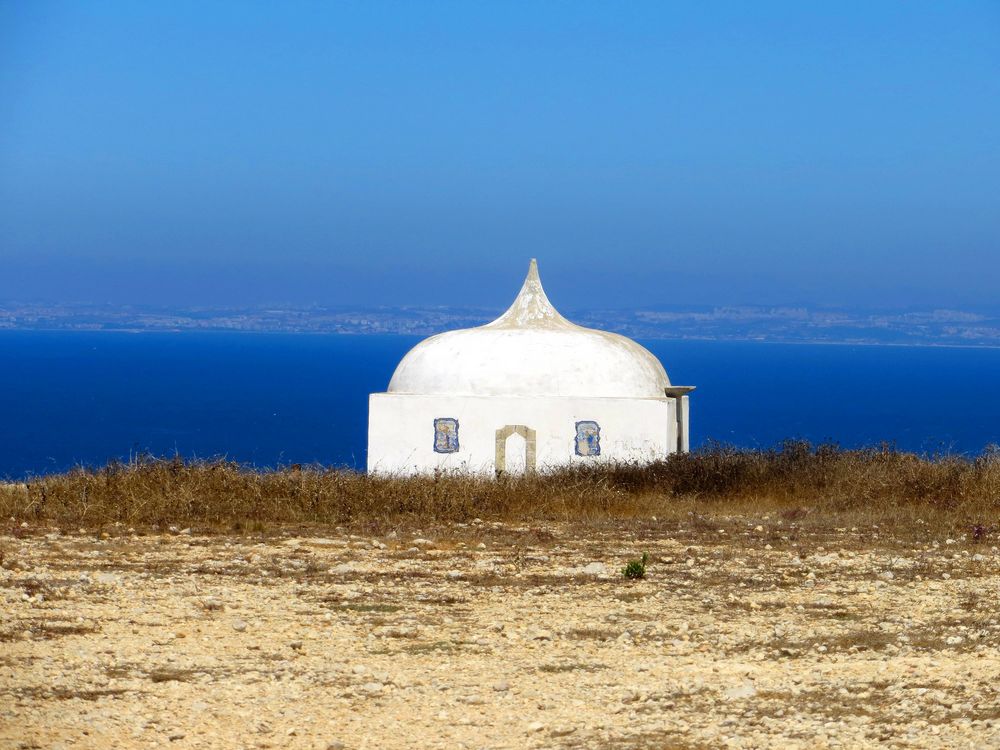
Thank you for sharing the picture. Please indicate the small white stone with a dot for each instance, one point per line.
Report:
(337, 570)
(744, 690)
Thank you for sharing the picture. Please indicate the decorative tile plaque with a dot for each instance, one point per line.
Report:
(588, 438)
(446, 435)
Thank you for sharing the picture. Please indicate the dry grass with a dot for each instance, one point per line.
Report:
(570, 667)
(795, 482)
(61, 693)
(45, 629)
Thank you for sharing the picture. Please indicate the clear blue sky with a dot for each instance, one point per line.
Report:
(647, 153)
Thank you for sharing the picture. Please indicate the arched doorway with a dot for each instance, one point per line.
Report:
(515, 449)
(515, 454)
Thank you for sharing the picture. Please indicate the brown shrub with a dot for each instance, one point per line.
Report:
(795, 478)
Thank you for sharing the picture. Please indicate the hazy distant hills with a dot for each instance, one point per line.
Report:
(773, 324)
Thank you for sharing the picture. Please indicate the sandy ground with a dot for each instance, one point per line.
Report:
(499, 636)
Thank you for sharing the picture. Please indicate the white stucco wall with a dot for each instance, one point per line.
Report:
(401, 430)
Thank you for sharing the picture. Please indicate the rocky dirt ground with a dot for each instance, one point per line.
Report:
(752, 634)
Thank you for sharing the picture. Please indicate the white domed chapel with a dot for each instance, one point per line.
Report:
(529, 391)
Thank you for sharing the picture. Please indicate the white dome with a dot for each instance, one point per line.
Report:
(531, 350)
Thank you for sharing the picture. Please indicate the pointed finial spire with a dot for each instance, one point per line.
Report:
(532, 272)
(532, 308)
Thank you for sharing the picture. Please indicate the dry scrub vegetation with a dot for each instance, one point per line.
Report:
(823, 483)
(796, 598)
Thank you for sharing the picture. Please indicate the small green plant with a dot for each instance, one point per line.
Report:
(636, 568)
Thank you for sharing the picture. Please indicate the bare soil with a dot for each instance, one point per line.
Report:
(750, 632)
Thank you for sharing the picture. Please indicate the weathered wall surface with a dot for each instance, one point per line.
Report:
(401, 430)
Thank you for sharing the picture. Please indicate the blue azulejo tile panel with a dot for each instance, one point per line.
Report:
(446, 435)
(588, 438)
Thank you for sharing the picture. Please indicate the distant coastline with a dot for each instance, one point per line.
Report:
(784, 325)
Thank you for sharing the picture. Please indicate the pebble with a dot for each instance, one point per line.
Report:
(341, 569)
(239, 626)
(742, 691)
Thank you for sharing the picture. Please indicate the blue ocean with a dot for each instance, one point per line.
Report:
(69, 398)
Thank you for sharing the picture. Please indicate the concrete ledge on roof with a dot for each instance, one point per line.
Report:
(676, 391)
